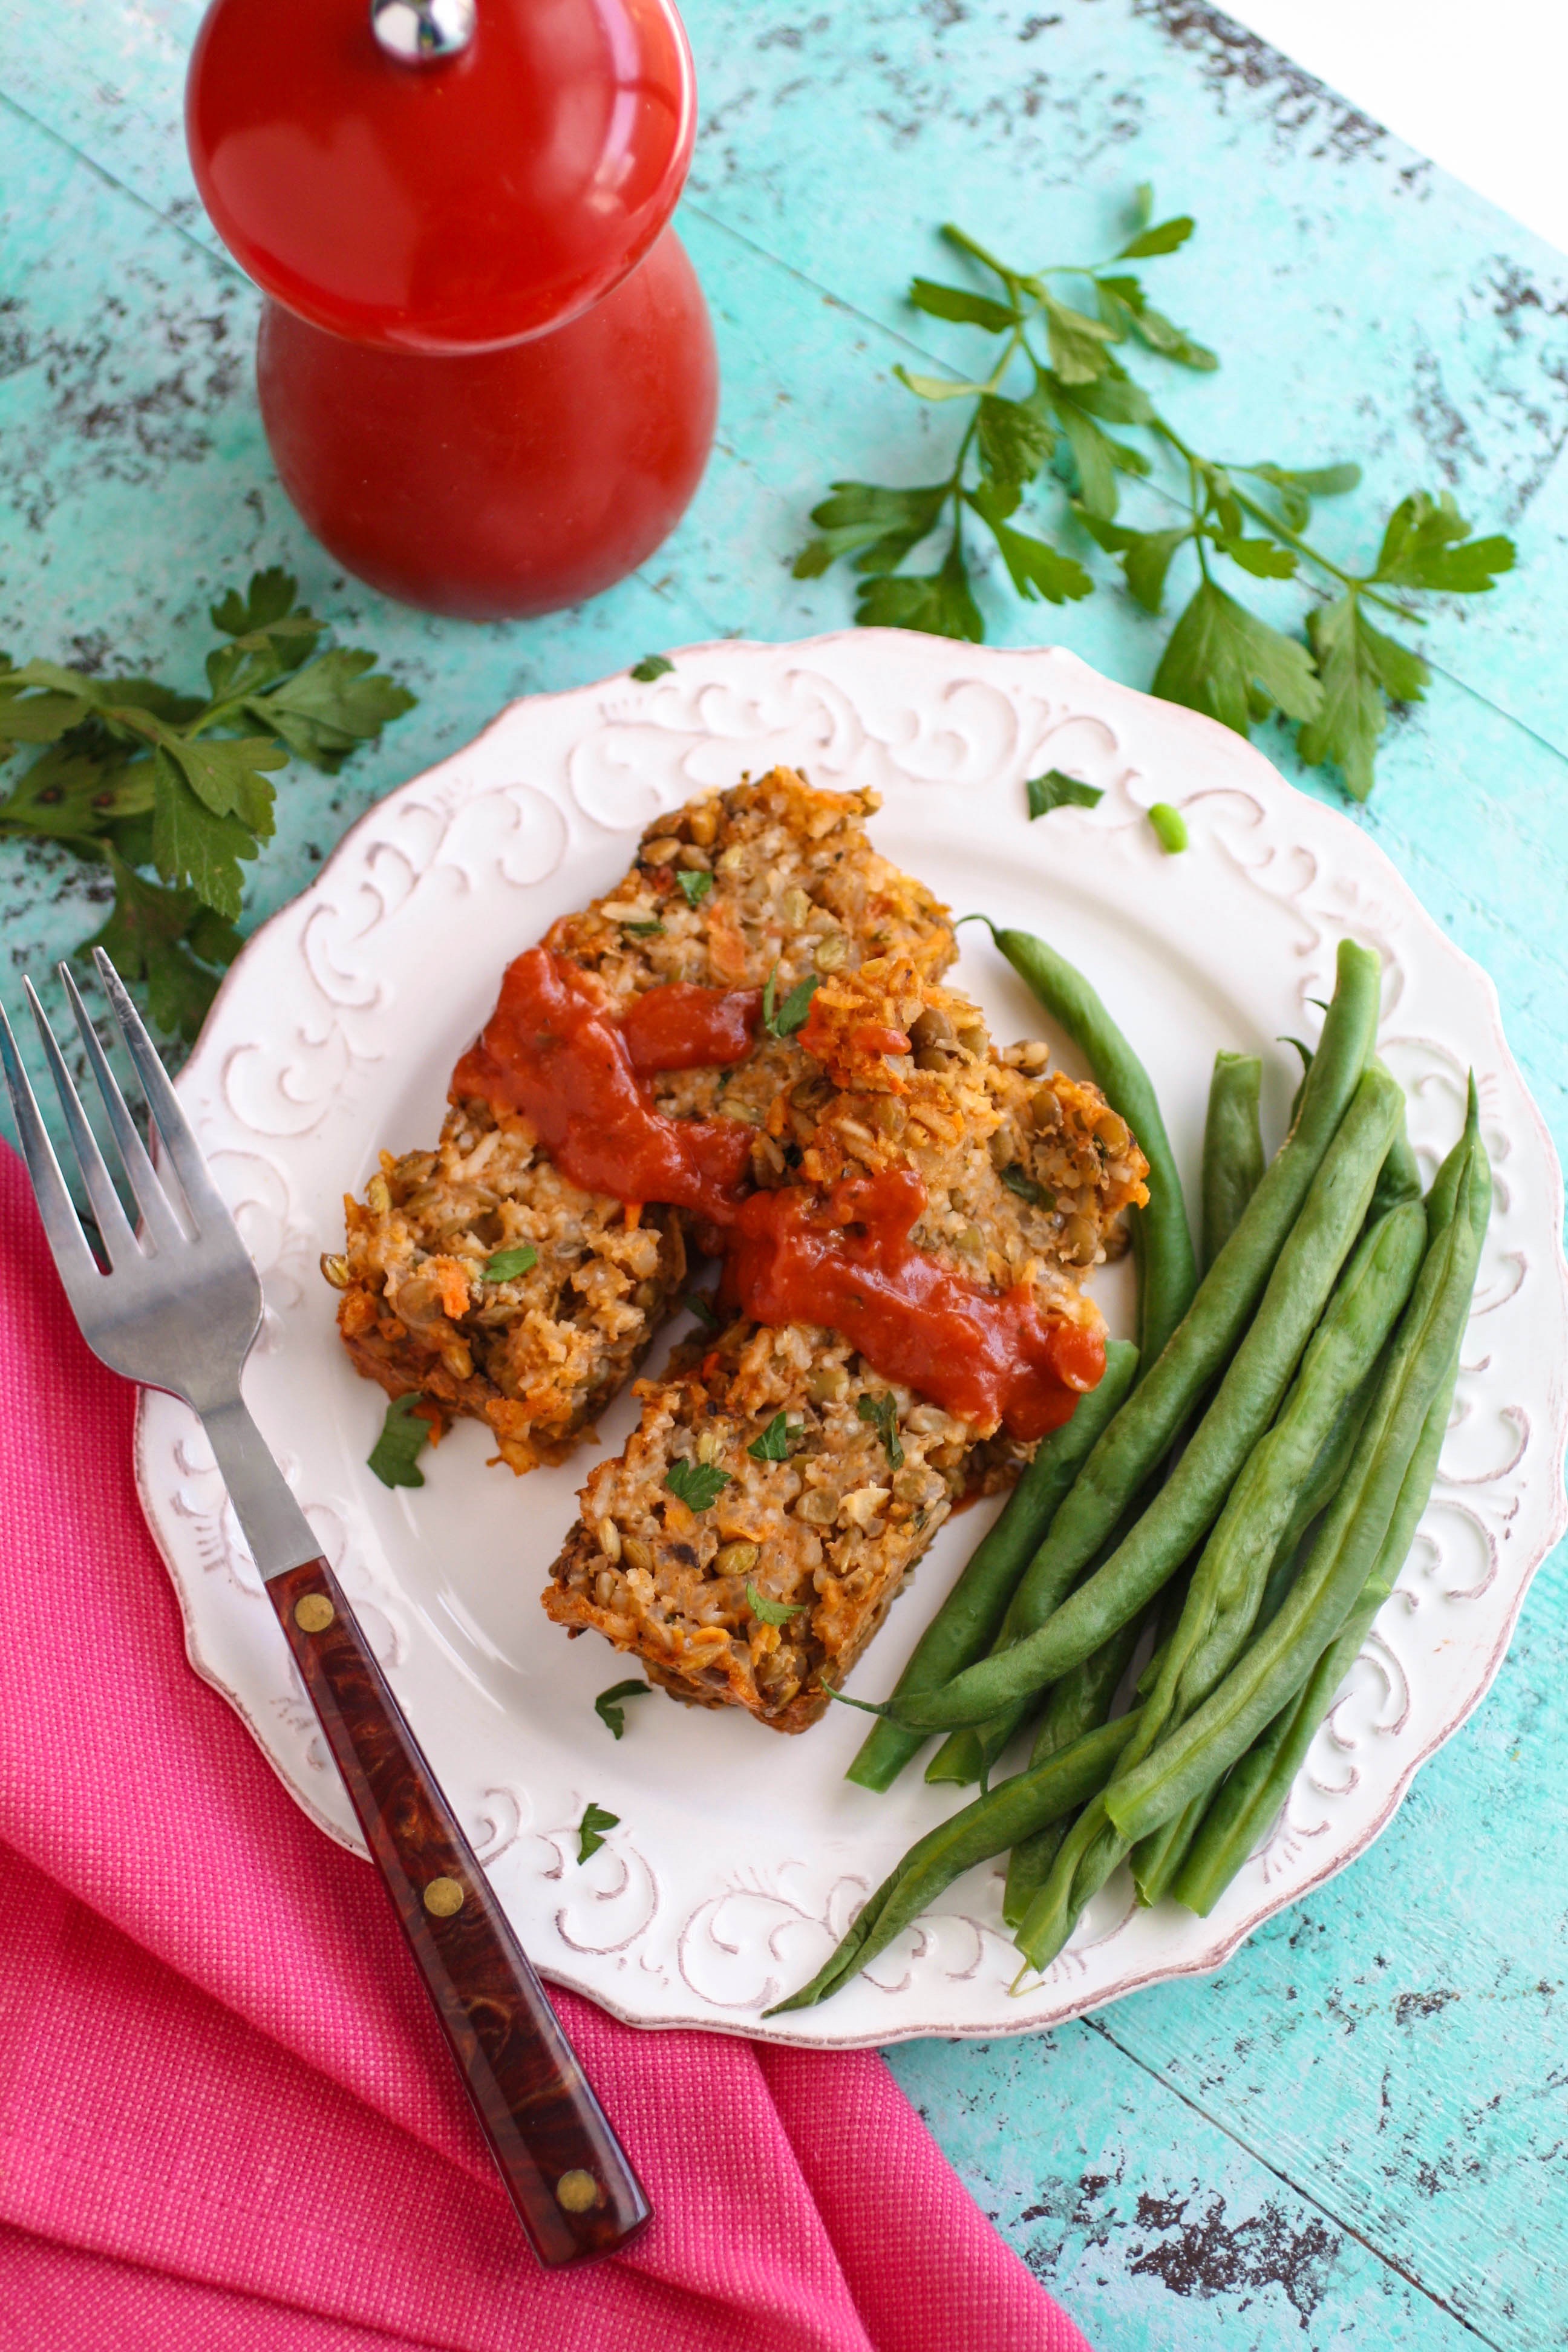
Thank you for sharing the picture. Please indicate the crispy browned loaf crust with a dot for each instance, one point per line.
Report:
(796, 887)
(831, 1532)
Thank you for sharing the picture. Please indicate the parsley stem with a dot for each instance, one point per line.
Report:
(1282, 530)
(1272, 524)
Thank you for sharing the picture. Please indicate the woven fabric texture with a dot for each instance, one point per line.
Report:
(227, 2116)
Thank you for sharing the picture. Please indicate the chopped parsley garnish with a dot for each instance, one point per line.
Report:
(404, 1433)
(590, 1829)
(695, 1484)
(884, 1411)
(771, 1613)
(773, 1445)
(645, 930)
(610, 1705)
(651, 665)
(702, 1305)
(1053, 791)
(507, 1265)
(783, 1019)
(695, 885)
(1017, 1179)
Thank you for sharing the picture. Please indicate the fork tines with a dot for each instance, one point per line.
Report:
(163, 1226)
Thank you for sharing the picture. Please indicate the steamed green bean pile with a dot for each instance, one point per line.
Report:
(1224, 1516)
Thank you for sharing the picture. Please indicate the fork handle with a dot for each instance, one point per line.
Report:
(566, 2173)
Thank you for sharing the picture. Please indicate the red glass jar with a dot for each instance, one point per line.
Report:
(486, 368)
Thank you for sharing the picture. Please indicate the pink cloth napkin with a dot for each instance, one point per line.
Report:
(228, 2122)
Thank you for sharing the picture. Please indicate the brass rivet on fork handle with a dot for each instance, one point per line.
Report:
(177, 1306)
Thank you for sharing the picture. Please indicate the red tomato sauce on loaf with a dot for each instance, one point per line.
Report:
(844, 1260)
(552, 1051)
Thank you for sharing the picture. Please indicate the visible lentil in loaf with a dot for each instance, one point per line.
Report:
(833, 1532)
(796, 888)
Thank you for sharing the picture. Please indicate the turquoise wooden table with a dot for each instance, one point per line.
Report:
(1356, 2135)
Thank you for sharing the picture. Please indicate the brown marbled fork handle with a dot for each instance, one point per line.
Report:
(568, 2176)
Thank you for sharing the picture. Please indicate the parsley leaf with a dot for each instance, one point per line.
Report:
(1359, 667)
(884, 1411)
(1013, 440)
(1223, 660)
(334, 703)
(651, 665)
(1017, 1179)
(878, 527)
(405, 1435)
(270, 597)
(508, 1264)
(1076, 342)
(701, 1306)
(1036, 569)
(694, 886)
(1165, 238)
(643, 930)
(773, 1445)
(783, 1019)
(1053, 791)
(958, 302)
(697, 1484)
(938, 603)
(771, 1613)
(166, 940)
(591, 1829)
(1428, 544)
(190, 844)
(610, 1708)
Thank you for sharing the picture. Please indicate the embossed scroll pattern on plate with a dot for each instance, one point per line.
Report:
(739, 1858)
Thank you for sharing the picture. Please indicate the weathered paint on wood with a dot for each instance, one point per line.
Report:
(1355, 2134)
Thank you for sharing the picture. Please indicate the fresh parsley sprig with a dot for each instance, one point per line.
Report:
(1037, 421)
(135, 775)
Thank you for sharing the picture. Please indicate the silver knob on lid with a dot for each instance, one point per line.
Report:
(422, 32)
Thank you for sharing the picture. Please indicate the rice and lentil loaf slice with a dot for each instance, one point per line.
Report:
(1025, 1174)
(790, 883)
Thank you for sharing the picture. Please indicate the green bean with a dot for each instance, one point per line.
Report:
(1228, 1582)
(1080, 1702)
(1229, 1825)
(988, 1826)
(1347, 1544)
(1231, 1579)
(1247, 1803)
(1248, 1397)
(1233, 1147)
(1133, 1448)
(1167, 1271)
(1318, 1490)
(1400, 1180)
(964, 1626)
(972, 1754)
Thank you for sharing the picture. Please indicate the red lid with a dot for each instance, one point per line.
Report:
(440, 206)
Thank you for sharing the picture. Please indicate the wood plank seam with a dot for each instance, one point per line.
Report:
(1288, 2180)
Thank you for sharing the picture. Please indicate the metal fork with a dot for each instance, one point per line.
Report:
(178, 1308)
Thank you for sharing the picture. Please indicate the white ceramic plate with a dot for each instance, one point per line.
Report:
(740, 1856)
